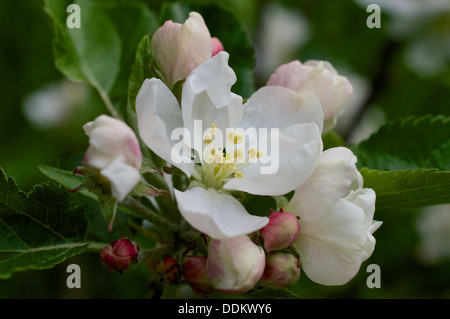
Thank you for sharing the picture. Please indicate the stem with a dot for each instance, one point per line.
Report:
(281, 201)
(95, 247)
(108, 104)
(136, 208)
(155, 252)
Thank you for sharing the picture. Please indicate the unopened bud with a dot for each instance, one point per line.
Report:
(169, 270)
(319, 78)
(217, 46)
(119, 255)
(194, 273)
(281, 231)
(281, 270)
(234, 265)
(180, 48)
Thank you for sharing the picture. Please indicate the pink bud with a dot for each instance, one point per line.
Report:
(119, 255)
(319, 78)
(194, 273)
(281, 270)
(281, 231)
(169, 270)
(234, 265)
(180, 48)
(217, 46)
(113, 153)
(109, 139)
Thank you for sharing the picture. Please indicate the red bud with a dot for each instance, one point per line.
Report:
(195, 275)
(119, 255)
(281, 231)
(169, 270)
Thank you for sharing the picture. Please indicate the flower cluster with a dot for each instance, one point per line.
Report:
(228, 149)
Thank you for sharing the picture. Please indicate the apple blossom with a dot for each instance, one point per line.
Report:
(180, 48)
(221, 163)
(282, 269)
(336, 219)
(320, 78)
(217, 46)
(119, 255)
(281, 231)
(234, 265)
(114, 154)
(194, 273)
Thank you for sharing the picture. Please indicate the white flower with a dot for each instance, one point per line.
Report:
(336, 219)
(114, 153)
(234, 265)
(320, 78)
(226, 160)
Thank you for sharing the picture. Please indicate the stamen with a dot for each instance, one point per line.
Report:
(239, 154)
(238, 175)
(252, 153)
(207, 138)
(235, 138)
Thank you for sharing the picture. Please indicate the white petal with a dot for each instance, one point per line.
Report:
(330, 250)
(204, 113)
(214, 77)
(282, 170)
(122, 177)
(207, 99)
(365, 198)
(333, 245)
(279, 107)
(334, 177)
(217, 215)
(158, 116)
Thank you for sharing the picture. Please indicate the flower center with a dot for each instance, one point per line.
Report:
(219, 164)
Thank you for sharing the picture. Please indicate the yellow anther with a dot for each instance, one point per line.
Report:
(235, 138)
(230, 136)
(238, 175)
(239, 154)
(252, 153)
(238, 138)
(259, 154)
(207, 138)
(213, 128)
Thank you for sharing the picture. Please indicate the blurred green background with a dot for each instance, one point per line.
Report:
(398, 70)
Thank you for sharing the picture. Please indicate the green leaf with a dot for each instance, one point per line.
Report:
(101, 52)
(422, 143)
(272, 293)
(66, 178)
(408, 188)
(140, 71)
(108, 205)
(40, 229)
(91, 52)
(332, 139)
(133, 21)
